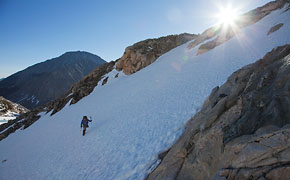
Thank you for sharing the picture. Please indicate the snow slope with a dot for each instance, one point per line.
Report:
(134, 117)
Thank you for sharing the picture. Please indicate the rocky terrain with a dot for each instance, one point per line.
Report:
(144, 53)
(46, 81)
(242, 130)
(10, 110)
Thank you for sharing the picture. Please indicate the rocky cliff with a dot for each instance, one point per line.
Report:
(242, 130)
(41, 83)
(144, 53)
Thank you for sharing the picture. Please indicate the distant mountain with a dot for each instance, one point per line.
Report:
(9, 110)
(44, 82)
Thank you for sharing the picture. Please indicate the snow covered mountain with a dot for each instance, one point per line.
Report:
(137, 116)
(9, 110)
(46, 81)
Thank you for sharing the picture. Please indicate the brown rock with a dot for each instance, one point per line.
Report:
(282, 173)
(144, 53)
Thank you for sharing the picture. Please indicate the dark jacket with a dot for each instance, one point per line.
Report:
(85, 122)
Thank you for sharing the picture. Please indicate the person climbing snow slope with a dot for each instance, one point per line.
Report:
(85, 124)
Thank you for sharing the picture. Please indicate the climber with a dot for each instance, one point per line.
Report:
(85, 124)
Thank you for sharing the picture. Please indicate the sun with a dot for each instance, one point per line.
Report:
(227, 16)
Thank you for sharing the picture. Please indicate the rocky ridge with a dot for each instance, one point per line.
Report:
(144, 53)
(242, 130)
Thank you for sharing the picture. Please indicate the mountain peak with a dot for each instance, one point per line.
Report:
(76, 55)
(77, 52)
(45, 81)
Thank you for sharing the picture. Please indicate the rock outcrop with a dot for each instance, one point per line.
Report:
(7, 106)
(242, 130)
(9, 111)
(144, 53)
(275, 28)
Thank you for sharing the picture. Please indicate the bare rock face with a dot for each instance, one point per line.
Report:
(143, 53)
(242, 130)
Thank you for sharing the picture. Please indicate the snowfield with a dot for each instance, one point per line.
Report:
(134, 117)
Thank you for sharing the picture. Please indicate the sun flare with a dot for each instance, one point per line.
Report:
(227, 15)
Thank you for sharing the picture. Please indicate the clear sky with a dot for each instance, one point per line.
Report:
(32, 31)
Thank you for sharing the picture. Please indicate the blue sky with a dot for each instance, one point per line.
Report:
(33, 31)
